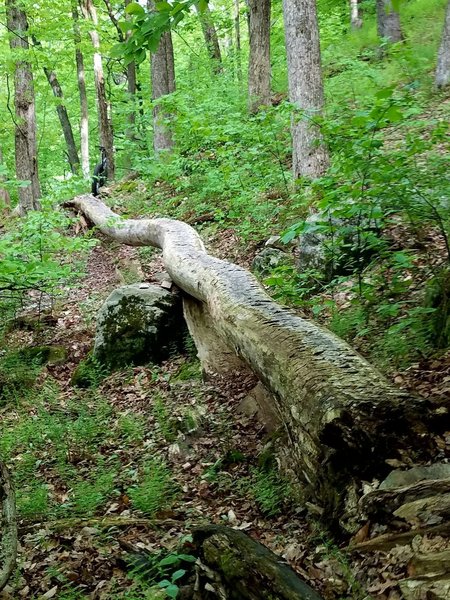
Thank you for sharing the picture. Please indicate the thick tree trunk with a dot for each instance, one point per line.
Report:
(388, 22)
(5, 199)
(132, 89)
(163, 83)
(211, 39)
(84, 113)
(25, 135)
(72, 153)
(341, 418)
(310, 157)
(243, 568)
(355, 19)
(259, 71)
(104, 120)
(443, 62)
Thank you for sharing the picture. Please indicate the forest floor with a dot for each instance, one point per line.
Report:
(112, 479)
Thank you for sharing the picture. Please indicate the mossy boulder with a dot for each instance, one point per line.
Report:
(138, 324)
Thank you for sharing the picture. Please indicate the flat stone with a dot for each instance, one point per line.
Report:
(402, 478)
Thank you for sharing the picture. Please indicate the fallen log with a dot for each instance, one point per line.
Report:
(236, 567)
(8, 527)
(341, 418)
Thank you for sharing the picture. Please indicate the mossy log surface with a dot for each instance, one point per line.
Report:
(245, 569)
(341, 417)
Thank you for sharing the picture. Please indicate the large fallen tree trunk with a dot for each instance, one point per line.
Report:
(341, 418)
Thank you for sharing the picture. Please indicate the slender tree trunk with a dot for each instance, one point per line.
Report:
(237, 30)
(310, 157)
(132, 89)
(84, 118)
(5, 200)
(443, 62)
(211, 39)
(25, 135)
(388, 22)
(104, 120)
(72, 153)
(259, 59)
(163, 83)
(355, 19)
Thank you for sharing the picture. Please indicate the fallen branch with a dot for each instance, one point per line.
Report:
(102, 523)
(341, 417)
(8, 528)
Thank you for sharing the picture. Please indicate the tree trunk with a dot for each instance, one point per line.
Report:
(5, 199)
(132, 89)
(259, 71)
(237, 30)
(104, 120)
(72, 153)
(25, 134)
(341, 419)
(163, 83)
(211, 39)
(443, 62)
(310, 157)
(388, 22)
(84, 114)
(355, 20)
(243, 568)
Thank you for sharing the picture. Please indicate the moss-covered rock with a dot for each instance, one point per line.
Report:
(137, 324)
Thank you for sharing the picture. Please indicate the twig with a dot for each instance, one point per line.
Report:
(103, 523)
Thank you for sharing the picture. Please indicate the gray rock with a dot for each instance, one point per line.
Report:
(137, 324)
(398, 478)
(269, 259)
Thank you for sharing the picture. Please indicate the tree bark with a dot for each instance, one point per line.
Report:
(25, 133)
(72, 153)
(132, 89)
(237, 31)
(245, 569)
(310, 157)
(388, 22)
(5, 199)
(259, 71)
(8, 527)
(211, 39)
(163, 83)
(341, 418)
(355, 19)
(443, 62)
(84, 112)
(104, 120)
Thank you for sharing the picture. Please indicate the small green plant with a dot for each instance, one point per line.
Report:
(131, 427)
(32, 501)
(166, 424)
(89, 373)
(155, 491)
(270, 491)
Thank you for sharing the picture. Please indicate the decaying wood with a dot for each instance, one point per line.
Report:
(388, 501)
(244, 569)
(8, 527)
(101, 523)
(384, 543)
(341, 417)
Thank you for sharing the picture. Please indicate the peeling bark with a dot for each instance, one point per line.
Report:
(341, 417)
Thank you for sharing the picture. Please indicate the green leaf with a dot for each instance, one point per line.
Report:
(135, 9)
(169, 560)
(178, 574)
(163, 6)
(172, 591)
